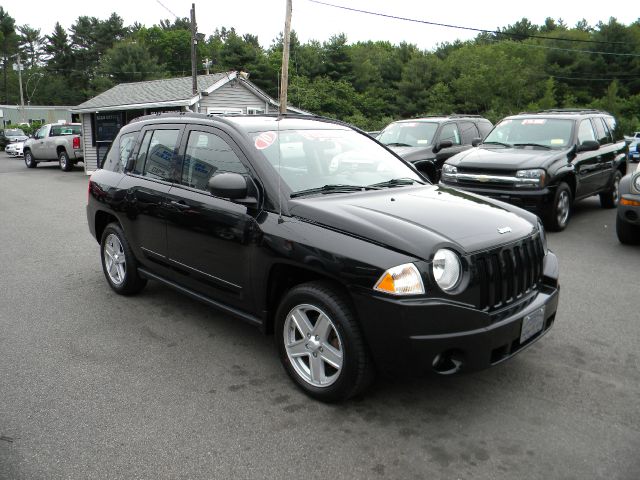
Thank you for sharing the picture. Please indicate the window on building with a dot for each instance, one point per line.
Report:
(207, 154)
(224, 111)
(255, 111)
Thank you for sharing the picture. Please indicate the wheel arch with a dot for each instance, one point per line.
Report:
(102, 219)
(282, 278)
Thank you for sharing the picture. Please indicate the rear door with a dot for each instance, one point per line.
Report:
(211, 240)
(144, 190)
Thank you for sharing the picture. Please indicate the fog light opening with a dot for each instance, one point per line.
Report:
(448, 362)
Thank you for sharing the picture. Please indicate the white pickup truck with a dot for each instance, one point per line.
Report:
(55, 141)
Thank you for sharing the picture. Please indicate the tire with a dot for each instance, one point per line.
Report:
(611, 197)
(29, 160)
(320, 344)
(628, 233)
(119, 265)
(558, 217)
(66, 165)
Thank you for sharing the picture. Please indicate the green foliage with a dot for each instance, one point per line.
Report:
(522, 66)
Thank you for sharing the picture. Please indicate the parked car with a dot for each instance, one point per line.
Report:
(632, 138)
(15, 149)
(544, 161)
(310, 229)
(427, 142)
(634, 151)
(60, 142)
(11, 135)
(628, 218)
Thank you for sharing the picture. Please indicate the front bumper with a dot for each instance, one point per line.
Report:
(536, 201)
(414, 336)
(630, 213)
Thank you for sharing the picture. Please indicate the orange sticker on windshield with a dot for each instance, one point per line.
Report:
(265, 140)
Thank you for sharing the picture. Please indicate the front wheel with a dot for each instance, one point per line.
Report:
(558, 217)
(628, 233)
(320, 343)
(65, 164)
(29, 161)
(118, 263)
(611, 197)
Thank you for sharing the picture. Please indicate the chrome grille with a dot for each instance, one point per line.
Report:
(508, 273)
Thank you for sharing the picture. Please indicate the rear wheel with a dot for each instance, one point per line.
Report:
(558, 217)
(611, 197)
(320, 343)
(628, 233)
(118, 263)
(65, 164)
(29, 161)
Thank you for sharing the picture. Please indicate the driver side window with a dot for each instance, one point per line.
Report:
(585, 132)
(450, 132)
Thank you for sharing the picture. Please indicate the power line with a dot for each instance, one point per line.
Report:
(167, 9)
(496, 32)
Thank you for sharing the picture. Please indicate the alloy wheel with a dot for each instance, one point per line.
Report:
(563, 208)
(114, 259)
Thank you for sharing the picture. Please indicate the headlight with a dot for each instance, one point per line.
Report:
(449, 173)
(636, 183)
(543, 237)
(401, 280)
(531, 178)
(446, 269)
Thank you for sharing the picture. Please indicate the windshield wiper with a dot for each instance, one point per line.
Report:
(508, 145)
(397, 182)
(334, 188)
(397, 144)
(532, 145)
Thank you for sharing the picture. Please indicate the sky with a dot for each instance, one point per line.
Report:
(265, 18)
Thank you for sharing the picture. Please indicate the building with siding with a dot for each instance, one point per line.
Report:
(15, 114)
(218, 93)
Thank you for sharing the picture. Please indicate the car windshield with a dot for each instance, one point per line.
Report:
(548, 132)
(14, 132)
(410, 134)
(311, 159)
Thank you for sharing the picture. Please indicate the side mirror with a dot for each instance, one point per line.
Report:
(476, 141)
(588, 146)
(232, 186)
(443, 144)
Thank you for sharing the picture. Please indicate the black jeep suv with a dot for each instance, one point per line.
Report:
(311, 229)
(544, 161)
(427, 142)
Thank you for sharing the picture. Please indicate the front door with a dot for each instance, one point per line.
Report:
(587, 164)
(210, 240)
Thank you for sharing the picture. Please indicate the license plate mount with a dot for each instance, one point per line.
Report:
(532, 324)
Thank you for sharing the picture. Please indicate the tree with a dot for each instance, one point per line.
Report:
(8, 43)
(31, 45)
(129, 61)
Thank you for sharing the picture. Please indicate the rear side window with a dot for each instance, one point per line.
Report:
(127, 142)
(155, 157)
(450, 132)
(207, 155)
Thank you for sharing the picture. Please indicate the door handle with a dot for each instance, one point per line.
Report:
(180, 205)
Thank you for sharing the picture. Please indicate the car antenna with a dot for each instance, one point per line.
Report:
(280, 219)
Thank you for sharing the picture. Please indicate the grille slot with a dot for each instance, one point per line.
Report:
(507, 273)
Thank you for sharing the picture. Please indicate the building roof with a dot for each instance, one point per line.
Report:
(166, 92)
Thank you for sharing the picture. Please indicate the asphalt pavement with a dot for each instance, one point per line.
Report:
(98, 386)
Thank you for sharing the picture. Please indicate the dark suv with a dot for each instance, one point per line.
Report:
(311, 229)
(427, 142)
(545, 161)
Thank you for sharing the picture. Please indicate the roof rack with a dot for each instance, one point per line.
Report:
(567, 111)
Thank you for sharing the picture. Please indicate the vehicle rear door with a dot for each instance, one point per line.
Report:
(211, 240)
(144, 189)
(607, 153)
(586, 164)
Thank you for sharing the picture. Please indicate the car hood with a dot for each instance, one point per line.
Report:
(416, 220)
(18, 138)
(413, 154)
(501, 158)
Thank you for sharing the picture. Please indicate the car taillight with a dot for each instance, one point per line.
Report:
(76, 143)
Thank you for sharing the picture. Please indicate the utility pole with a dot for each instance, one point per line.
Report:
(21, 95)
(194, 42)
(284, 82)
